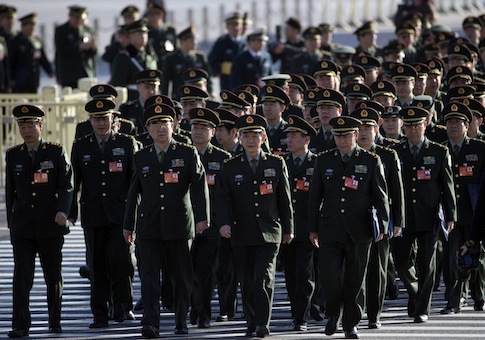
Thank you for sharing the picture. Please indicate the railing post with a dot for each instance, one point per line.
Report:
(205, 24)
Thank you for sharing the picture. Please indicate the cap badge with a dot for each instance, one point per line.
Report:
(324, 64)
(400, 69)
(356, 87)
(200, 113)
(364, 113)
(269, 89)
(242, 96)
(100, 89)
(326, 94)
(99, 104)
(454, 108)
(461, 90)
(249, 120)
(224, 95)
(186, 90)
(340, 121)
(192, 74)
(290, 121)
(152, 74)
(457, 48)
(311, 95)
(24, 109)
(380, 85)
(351, 69)
(158, 109)
(411, 112)
(159, 100)
(364, 60)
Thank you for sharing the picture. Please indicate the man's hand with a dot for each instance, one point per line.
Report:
(464, 248)
(128, 236)
(314, 239)
(287, 238)
(379, 237)
(449, 226)
(61, 218)
(397, 231)
(201, 226)
(225, 231)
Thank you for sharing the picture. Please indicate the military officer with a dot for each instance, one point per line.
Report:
(478, 111)
(347, 183)
(226, 133)
(304, 61)
(428, 184)
(203, 123)
(435, 132)
(327, 75)
(254, 211)
(135, 58)
(76, 49)
(287, 50)
(384, 92)
(297, 257)
(406, 35)
(147, 85)
(392, 123)
(27, 57)
(468, 156)
(376, 276)
(403, 78)
(225, 49)
(367, 38)
(103, 166)
(274, 101)
(190, 97)
(38, 196)
(180, 60)
(168, 203)
(251, 65)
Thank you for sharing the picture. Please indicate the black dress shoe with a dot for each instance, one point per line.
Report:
(478, 305)
(18, 333)
(351, 333)
(55, 330)
(422, 318)
(98, 324)
(375, 325)
(299, 325)
(411, 307)
(222, 318)
(262, 331)
(84, 272)
(149, 331)
(249, 332)
(392, 290)
(193, 317)
(203, 324)
(315, 314)
(138, 305)
(449, 310)
(119, 313)
(181, 329)
(331, 326)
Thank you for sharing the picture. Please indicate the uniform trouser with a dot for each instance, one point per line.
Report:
(440, 259)
(456, 239)
(418, 276)
(376, 279)
(111, 269)
(226, 278)
(257, 265)
(50, 254)
(342, 268)
(175, 254)
(204, 256)
(299, 276)
(318, 295)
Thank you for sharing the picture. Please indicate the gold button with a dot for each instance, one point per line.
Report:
(31, 182)
(34, 194)
(457, 175)
(141, 215)
(102, 162)
(457, 186)
(32, 206)
(103, 172)
(104, 194)
(342, 199)
(343, 188)
(414, 179)
(162, 208)
(294, 190)
(257, 215)
(342, 211)
(343, 177)
(414, 168)
(294, 201)
(256, 204)
(414, 201)
(104, 183)
(162, 196)
(255, 182)
(161, 184)
(413, 190)
(457, 196)
(161, 172)
(255, 193)
(296, 179)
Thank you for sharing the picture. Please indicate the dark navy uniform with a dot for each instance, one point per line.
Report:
(248, 69)
(163, 41)
(37, 188)
(303, 62)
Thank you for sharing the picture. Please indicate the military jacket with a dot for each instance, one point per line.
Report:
(248, 70)
(277, 142)
(221, 57)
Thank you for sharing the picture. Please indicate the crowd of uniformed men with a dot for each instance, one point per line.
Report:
(347, 167)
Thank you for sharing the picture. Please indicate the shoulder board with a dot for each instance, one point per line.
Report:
(221, 150)
(54, 144)
(275, 156)
(185, 145)
(124, 135)
(324, 152)
(18, 146)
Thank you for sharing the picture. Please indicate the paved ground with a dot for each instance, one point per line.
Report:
(76, 314)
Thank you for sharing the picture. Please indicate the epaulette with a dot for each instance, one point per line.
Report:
(275, 156)
(14, 147)
(392, 140)
(54, 144)
(324, 152)
(185, 145)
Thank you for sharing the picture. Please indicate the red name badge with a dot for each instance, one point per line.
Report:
(211, 179)
(351, 183)
(302, 185)
(41, 177)
(171, 177)
(115, 167)
(466, 171)
(424, 174)
(266, 189)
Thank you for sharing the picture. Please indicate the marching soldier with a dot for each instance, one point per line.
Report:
(428, 184)
(403, 78)
(274, 101)
(254, 211)
(304, 61)
(347, 183)
(76, 49)
(392, 123)
(297, 257)
(169, 199)
(27, 57)
(38, 196)
(367, 38)
(103, 166)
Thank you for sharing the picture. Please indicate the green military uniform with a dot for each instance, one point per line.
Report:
(257, 222)
(38, 186)
(342, 193)
(428, 184)
(165, 201)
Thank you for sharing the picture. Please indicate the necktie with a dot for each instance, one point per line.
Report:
(254, 165)
(415, 152)
(161, 156)
(271, 132)
(345, 159)
(456, 151)
(328, 139)
(101, 146)
(32, 156)
(297, 163)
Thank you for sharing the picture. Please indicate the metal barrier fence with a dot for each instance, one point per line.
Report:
(63, 109)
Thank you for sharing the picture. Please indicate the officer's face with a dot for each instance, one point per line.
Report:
(252, 141)
(201, 134)
(459, 82)
(102, 125)
(234, 28)
(368, 39)
(257, 44)
(297, 141)
(407, 39)
(30, 132)
(433, 84)
(415, 133)
(472, 34)
(456, 129)
(367, 135)
(225, 137)
(307, 114)
(419, 86)
(392, 126)
(327, 112)
(147, 90)
(371, 76)
(452, 62)
(188, 44)
(272, 111)
(346, 143)
(155, 18)
(326, 81)
(76, 21)
(160, 131)
(295, 96)
(188, 105)
(28, 29)
(475, 124)
(352, 103)
(384, 100)
(404, 88)
(312, 44)
(138, 38)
